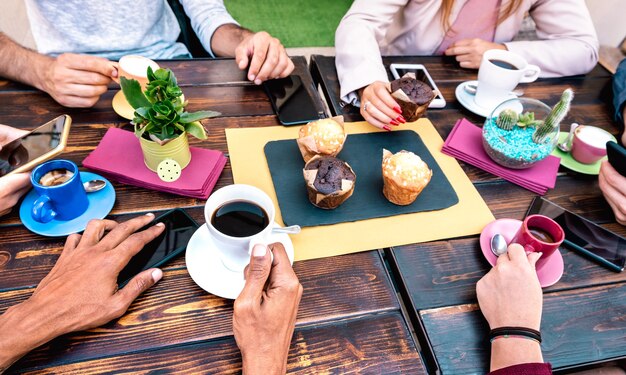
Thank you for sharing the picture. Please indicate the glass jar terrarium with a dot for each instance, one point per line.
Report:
(520, 132)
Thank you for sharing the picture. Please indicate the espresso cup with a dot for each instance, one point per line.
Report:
(64, 201)
(541, 234)
(589, 144)
(135, 67)
(499, 73)
(233, 249)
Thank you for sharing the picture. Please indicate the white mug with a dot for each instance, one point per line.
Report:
(233, 251)
(495, 81)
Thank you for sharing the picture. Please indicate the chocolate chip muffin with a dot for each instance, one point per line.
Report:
(329, 181)
(412, 95)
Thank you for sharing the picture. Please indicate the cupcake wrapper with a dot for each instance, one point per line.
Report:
(410, 110)
(327, 201)
(308, 147)
(396, 193)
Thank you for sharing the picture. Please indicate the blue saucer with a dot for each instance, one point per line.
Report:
(100, 204)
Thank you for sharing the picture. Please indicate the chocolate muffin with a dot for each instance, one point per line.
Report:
(329, 181)
(412, 95)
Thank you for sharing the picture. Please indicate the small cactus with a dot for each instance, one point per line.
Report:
(555, 117)
(507, 119)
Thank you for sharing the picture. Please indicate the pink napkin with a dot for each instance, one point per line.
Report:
(465, 143)
(119, 157)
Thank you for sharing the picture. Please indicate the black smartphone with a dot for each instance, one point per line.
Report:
(584, 236)
(179, 227)
(291, 102)
(32, 148)
(617, 157)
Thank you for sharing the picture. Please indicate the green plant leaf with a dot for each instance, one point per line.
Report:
(196, 129)
(133, 94)
(187, 117)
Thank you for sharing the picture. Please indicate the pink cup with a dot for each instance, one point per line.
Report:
(528, 237)
(589, 144)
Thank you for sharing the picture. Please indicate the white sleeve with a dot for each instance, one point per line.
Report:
(206, 17)
(568, 44)
(358, 59)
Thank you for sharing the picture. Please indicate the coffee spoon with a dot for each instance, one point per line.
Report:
(566, 145)
(94, 185)
(293, 229)
(498, 245)
(471, 88)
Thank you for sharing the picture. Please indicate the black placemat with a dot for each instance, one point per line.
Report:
(364, 153)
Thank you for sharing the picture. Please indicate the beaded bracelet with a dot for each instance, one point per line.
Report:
(515, 331)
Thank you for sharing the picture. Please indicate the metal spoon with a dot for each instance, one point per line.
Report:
(471, 88)
(498, 245)
(94, 185)
(566, 145)
(293, 229)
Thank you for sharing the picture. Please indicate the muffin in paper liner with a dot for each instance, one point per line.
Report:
(405, 175)
(322, 137)
(339, 173)
(412, 107)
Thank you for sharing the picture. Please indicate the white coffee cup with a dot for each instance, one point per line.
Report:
(499, 73)
(135, 67)
(234, 250)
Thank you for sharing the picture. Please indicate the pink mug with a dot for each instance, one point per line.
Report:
(589, 144)
(540, 234)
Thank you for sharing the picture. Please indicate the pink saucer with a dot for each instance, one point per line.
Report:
(548, 275)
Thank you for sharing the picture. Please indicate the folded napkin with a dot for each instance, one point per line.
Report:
(119, 157)
(465, 143)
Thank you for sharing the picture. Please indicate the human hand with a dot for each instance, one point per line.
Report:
(12, 187)
(469, 52)
(265, 311)
(75, 80)
(613, 186)
(15, 154)
(510, 295)
(378, 106)
(265, 54)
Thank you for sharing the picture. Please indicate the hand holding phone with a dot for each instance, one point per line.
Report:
(617, 157)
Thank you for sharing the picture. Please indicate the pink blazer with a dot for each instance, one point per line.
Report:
(568, 44)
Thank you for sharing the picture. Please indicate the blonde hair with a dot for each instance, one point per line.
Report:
(505, 12)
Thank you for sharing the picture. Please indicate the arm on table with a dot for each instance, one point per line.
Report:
(72, 80)
(80, 292)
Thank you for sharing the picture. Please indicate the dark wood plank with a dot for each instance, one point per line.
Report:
(370, 345)
(574, 332)
(177, 312)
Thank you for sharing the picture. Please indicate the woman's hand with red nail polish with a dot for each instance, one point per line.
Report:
(377, 105)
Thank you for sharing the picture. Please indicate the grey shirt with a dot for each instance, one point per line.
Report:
(115, 28)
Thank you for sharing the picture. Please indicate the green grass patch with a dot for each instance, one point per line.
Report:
(297, 23)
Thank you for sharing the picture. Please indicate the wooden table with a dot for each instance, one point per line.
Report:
(584, 315)
(349, 319)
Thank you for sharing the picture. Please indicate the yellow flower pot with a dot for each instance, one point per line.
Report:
(177, 149)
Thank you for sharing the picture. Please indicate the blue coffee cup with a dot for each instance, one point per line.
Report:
(65, 201)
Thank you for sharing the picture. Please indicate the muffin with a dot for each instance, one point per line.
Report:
(412, 95)
(322, 137)
(405, 175)
(329, 181)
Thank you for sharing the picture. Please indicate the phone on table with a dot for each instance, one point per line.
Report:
(179, 227)
(617, 157)
(32, 148)
(398, 70)
(291, 102)
(584, 236)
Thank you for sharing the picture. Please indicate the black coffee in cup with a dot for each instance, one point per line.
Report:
(503, 64)
(541, 234)
(56, 177)
(240, 218)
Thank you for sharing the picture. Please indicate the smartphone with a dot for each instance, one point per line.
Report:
(179, 227)
(33, 148)
(584, 236)
(291, 102)
(617, 157)
(398, 70)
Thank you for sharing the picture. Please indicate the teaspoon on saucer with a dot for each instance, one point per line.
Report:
(293, 229)
(566, 145)
(498, 245)
(94, 185)
(471, 88)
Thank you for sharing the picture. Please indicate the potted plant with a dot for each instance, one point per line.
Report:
(160, 121)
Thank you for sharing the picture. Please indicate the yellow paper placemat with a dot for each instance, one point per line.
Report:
(469, 216)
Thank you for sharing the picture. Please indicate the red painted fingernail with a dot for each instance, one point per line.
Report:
(397, 109)
(401, 119)
(394, 122)
(387, 128)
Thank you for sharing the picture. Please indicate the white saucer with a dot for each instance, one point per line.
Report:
(207, 270)
(467, 100)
